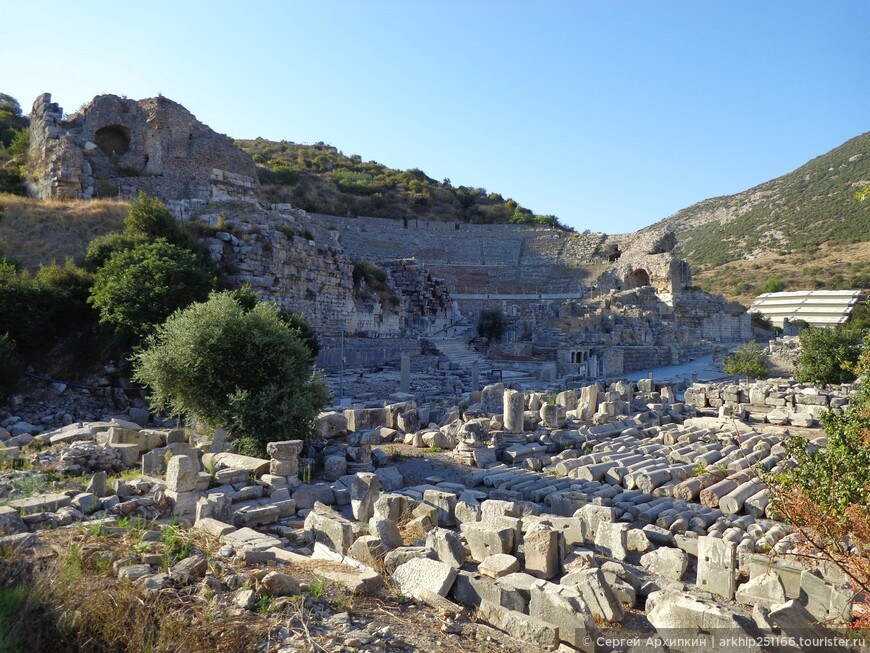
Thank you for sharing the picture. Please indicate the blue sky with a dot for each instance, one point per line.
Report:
(609, 114)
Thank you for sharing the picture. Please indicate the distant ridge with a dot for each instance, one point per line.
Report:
(784, 229)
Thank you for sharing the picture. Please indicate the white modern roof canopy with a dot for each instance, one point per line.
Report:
(815, 307)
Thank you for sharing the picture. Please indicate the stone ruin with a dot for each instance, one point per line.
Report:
(590, 515)
(578, 306)
(114, 147)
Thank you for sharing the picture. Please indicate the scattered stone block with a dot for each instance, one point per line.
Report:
(485, 539)
(564, 608)
(498, 565)
(596, 593)
(420, 574)
(667, 562)
(330, 528)
(717, 561)
(365, 488)
(541, 547)
(445, 505)
(516, 624)
(447, 546)
(213, 527)
(611, 539)
(765, 590)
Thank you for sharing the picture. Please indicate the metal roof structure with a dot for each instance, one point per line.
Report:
(816, 307)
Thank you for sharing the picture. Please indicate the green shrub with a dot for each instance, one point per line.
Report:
(838, 475)
(221, 365)
(20, 142)
(284, 174)
(827, 354)
(759, 321)
(101, 248)
(369, 273)
(773, 285)
(491, 323)
(11, 181)
(36, 309)
(137, 289)
(749, 360)
(148, 216)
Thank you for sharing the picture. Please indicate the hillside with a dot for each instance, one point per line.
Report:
(321, 179)
(804, 228)
(34, 232)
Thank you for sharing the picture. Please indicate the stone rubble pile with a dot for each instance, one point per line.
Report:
(775, 401)
(577, 508)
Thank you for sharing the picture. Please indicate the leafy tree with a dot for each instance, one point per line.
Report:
(248, 299)
(219, 364)
(759, 321)
(827, 355)
(101, 248)
(38, 308)
(11, 120)
(137, 289)
(491, 323)
(826, 496)
(20, 142)
(749, 360)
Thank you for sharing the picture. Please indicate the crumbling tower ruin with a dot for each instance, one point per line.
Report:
(115, 147)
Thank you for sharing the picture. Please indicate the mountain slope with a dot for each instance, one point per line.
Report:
(805, 221)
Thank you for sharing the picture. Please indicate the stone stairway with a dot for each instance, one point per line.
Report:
(455, 349)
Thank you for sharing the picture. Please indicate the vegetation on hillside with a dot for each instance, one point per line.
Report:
(321, 179)
(797, 212)
(805, 230)
(14, 142)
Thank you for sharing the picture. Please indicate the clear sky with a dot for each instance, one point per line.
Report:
(609, 114)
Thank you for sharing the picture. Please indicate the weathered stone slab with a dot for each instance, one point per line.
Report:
(516, 624)
(254, 466)
(40, 503)
(250, 540)
(717, 562)
(330, 528)
(419, 574)
(564, 608)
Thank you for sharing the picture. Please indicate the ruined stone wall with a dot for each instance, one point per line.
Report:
(114, 147)
(711, 317)
(301, 266)
(425, 301)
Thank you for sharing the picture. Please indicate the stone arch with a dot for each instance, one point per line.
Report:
(612, 252)
(113, 140)
(637, 278)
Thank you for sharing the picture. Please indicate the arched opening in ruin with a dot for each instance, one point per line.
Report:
(113, 140)
(637, 278)
(612, 252)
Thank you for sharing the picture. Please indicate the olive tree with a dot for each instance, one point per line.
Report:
(221, 365)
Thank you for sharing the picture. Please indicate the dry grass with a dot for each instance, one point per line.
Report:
(46, 231)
